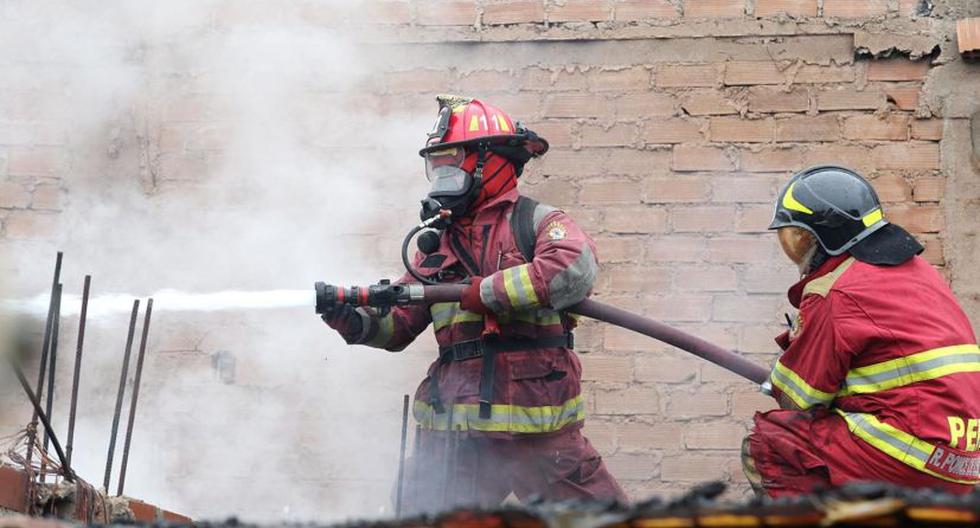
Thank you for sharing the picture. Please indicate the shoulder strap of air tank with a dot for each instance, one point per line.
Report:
(522, 226)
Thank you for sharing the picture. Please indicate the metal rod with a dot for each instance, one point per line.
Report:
(119, 395)
(65, 468)
(52, 362)
(44, 355)
(135, 396)
(401, 458)
(78, 367)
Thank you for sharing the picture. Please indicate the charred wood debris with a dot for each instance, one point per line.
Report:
(68, 496)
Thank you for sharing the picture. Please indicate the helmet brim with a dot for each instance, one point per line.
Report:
(534, 144)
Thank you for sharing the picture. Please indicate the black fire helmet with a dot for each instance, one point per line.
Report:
(844, 213)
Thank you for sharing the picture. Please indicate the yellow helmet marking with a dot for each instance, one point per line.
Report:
(792, 203)
(474, 124)
(872, 218)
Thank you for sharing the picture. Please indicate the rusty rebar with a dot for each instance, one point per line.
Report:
(73, 406)
(49, 433)
(401, 458)
(31, 435)
(136, 394)
(52, 363)
(119, 395)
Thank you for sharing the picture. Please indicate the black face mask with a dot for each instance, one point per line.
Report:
(453, 188)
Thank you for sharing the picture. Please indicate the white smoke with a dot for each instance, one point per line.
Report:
(219, 156)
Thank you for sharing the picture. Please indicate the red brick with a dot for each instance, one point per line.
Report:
(755, 218)
(770, 100)
(535, 78)
(854, 8)
(929, 189)
(927, 129)
(687, 75)
(618, 135)
(569, 105)
(633, 467)
(741, 249)
(435, 81)
(708, 102)
(676, 308)
(558, 133)
(606, 369)
(601, 434)
(707, 278)
(741, 308)
(611, 192)
(638, 399)
(35, 161)
(852, 156)
(714, 435)
(814, 74)
(443, 13)
(619, 339)
(934, 250)
(766, 8)
(578, 11)
(586, 162)
(908, 156)
(897, 69)
(753, 72)
(646, 219)
(744, 189)
(47, 197)
(739, 130)
(30, 225)
(693, 468)
(904, 97)
(772, 160)
(920, 218)
(519, 12)
(691, 158)
(638, 437)
(14, 195)
(14, 486)
(637, 162)
(659, 131)
(745, 404)
(555, 191)
(675, 249)
(846, 98)
(821, 128)
(574, 80)
(696, 404)
(624, 80)
(675, 189)
(632, 10)
(892, 188)
(700, 219)
(143, 512)
(666, 368)
(175, 518)
(642, 106)
(766, 279)
(486, 81)
(632, 278)
(714, 8)
(890, 127)
(619, 249)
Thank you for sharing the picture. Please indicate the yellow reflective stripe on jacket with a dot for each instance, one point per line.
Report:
(386, 330)
(798, 390)
(445, 314)
(894, 442)
(517, 284)
(504, 418)
(903, 371)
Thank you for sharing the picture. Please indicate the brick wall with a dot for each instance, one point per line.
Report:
(672, 125)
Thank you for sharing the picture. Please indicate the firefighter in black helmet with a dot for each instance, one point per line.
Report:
(878, 379)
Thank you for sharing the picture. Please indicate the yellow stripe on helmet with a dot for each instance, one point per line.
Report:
(790, 202)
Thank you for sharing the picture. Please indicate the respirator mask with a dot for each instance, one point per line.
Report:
(452, 187)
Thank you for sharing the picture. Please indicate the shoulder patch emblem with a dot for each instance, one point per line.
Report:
(556, 230)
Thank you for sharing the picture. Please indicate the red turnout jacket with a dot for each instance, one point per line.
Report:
(535, 391)
(887, 364)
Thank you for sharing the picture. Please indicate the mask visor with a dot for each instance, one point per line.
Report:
(442, 168)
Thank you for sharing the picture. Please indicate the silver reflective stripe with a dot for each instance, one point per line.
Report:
(488, 297)
(781, 379)
(442, 314)
(858, 420)
(520, 293)
(910, 369)
(573, 283)
(540, 212)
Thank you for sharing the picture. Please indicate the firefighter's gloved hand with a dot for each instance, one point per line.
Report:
(471, 301)
(346, 321)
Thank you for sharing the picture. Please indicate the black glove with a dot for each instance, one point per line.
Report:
(345, 320)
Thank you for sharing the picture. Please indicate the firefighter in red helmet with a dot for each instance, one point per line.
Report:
(880, 375)
(501, 408)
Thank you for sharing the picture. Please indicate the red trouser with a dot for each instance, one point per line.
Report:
(448, 471)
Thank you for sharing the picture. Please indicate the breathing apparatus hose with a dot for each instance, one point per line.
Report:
(408, 262)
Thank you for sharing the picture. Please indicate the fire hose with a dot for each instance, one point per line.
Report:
(384, 295)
